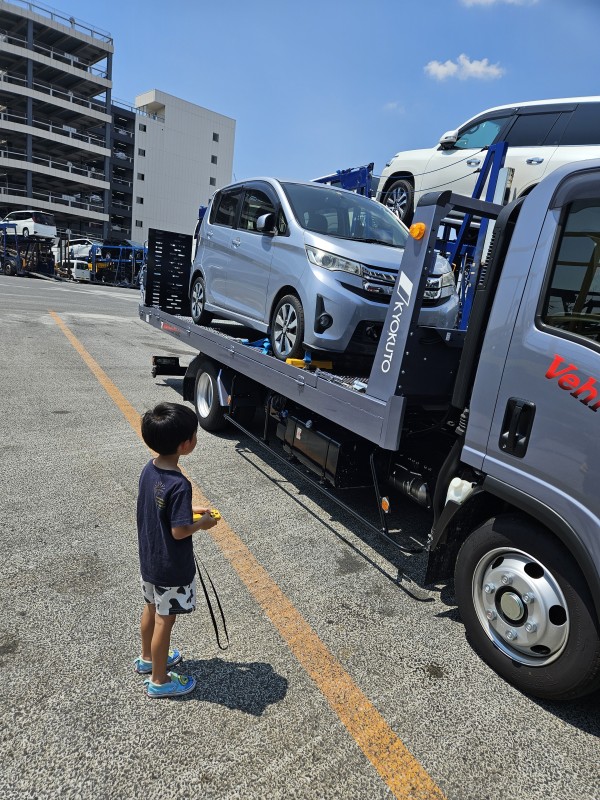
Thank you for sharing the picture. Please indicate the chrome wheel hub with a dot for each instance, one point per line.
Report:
(204, 395)
(521, 607)
(285, 329)
(197, 299)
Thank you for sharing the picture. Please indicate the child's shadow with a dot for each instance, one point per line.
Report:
(248, 687)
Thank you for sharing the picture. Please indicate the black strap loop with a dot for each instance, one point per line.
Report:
(209, 604)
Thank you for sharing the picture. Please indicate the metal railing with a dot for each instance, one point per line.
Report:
(54, 91)
(57, 55)
(140, 111)
(62, 19)
(51, 163)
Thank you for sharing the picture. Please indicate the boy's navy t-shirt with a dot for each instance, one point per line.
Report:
(164, 502)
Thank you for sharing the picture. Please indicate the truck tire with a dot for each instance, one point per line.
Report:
(10, 266)
(527, 609)
(211, 414)
(197, 300)
(399, 198)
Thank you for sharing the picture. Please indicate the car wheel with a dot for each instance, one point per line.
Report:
(25, 233)
(10, 266)
(211, 414)
(287, 328)
(399, 198)
(197, 300)
(527, 609)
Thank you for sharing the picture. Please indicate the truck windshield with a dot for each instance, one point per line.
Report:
(335, 212)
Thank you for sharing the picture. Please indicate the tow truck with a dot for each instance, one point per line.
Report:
(490, 427)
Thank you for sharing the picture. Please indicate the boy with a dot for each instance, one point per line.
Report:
(165, 528)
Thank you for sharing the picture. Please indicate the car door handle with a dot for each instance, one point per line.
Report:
(209, 234)
(534, 160)
(236, 242)
(516, 426)
(473, 162)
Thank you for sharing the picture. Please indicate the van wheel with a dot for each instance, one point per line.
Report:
(211, 414)
(399, 198)
(197, 300)
(527, 609)
(25, 233)
(287, 328)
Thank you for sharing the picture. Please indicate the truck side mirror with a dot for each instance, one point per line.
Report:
(266, 223)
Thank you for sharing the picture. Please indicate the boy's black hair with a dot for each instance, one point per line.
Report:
(168, 425)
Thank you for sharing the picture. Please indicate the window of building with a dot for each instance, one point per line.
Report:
(572, 302)
(139, 223)
(213, 159)
(141, 126)
(141, 152)
(140, 176)
(212, 181)
(139, 200)
(215, 137)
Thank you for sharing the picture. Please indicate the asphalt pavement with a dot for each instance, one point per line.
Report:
(302, 584)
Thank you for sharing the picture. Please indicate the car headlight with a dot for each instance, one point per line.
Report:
(320, 258)
(437, 288)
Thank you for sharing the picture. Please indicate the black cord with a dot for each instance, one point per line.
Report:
(209, 604)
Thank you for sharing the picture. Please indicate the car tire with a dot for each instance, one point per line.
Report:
(10, 266)
(25, 233)
(211, 414)
(287, 328)
(511, 573)
(399, 198)
(197, 301)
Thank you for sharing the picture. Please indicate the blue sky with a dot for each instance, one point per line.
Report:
(320, 86)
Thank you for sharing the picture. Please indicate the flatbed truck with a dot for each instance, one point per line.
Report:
(492, 429)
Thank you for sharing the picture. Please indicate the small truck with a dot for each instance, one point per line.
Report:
(491, 427)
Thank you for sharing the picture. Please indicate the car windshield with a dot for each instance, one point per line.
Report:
(346, 215)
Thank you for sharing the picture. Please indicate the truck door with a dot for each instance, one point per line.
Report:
(546, 421)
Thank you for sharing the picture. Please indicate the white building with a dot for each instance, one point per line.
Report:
(183, 153)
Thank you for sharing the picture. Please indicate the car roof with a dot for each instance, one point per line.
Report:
(529, 103)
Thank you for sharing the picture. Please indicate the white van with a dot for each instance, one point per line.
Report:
(75, 248)
(33, 223)
(541, 135)
(81, 270)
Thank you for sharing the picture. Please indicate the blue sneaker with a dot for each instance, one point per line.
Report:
(145, 667)
(178, 685)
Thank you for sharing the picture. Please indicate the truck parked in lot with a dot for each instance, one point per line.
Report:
(492, 427)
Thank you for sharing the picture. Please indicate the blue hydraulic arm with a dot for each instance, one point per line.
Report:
(356, 179)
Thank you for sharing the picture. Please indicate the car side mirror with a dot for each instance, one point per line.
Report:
(266, 223)
(448, 140)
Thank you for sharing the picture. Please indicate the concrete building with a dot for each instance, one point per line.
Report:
(105, 169)
(183, 153)
(55, 120)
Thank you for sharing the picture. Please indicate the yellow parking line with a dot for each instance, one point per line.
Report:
(400, 770)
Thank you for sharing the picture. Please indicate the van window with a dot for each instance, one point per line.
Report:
(256, 203)
(531, 130)
(42, 219)
(572, 302)
(226, 210)
(480, 134)
(584, 126)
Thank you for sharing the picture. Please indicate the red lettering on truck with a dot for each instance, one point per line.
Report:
(585, 390)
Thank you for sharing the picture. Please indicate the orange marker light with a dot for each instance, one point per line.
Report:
(385, 504)
(417, 230)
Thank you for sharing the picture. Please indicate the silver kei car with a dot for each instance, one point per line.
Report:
(310, 265)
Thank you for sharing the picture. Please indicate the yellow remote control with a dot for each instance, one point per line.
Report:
(213, 512)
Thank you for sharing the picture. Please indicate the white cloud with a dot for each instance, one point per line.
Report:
(464, 69)
(470, 3)
(394, 106)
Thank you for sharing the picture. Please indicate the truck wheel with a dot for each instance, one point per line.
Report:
(399, 198)
(287, 328)
(210, 412)
(197, 300)
(10, 266)
(527, 609)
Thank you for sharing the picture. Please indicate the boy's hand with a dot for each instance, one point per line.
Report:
(207, 521)
(199, 511)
